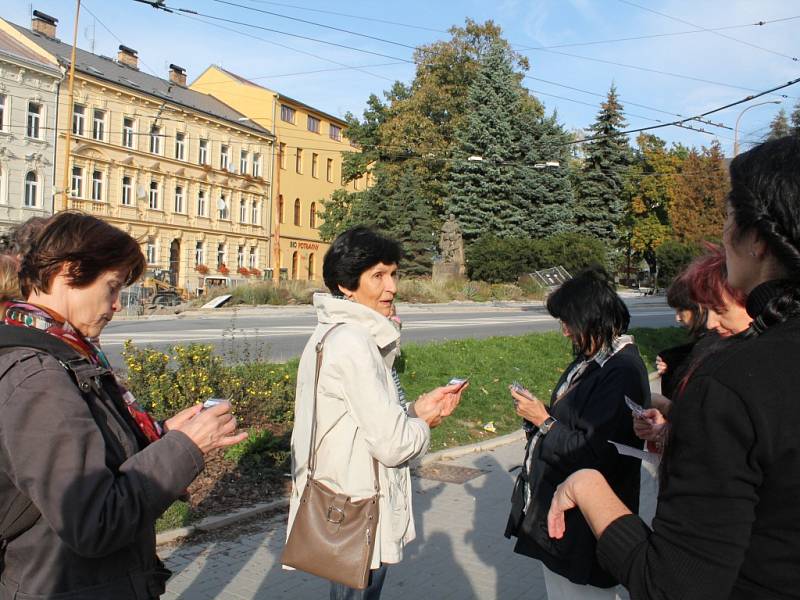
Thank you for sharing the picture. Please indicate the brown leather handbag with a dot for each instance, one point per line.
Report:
(332, 536)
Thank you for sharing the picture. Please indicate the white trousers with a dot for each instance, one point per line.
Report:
(561, 588)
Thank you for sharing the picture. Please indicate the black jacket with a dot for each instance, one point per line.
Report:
(589, 415)
(99, 494)
(727, 524)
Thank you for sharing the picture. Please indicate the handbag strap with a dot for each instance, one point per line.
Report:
(312, 453)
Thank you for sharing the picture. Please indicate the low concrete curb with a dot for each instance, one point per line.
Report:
(219, 521)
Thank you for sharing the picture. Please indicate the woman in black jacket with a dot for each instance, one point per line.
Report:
(587, 410)
(728, 517)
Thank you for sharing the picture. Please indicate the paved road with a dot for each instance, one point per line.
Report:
(460, 552)
(279, 334)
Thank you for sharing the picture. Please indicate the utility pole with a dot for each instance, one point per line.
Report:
(70, 101)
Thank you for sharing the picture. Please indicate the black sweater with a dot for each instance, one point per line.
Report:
(728, 518)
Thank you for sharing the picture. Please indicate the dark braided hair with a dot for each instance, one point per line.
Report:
(765, 198)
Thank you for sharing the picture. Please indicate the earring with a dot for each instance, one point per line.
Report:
(753, 253)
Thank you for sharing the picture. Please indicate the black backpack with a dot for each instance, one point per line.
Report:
(23, 514)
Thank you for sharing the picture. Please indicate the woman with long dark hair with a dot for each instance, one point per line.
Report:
(728, 519)
(587, 410)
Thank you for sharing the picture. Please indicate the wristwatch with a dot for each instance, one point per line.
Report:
(546, 425)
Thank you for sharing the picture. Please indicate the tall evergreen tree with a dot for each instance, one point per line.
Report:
(600, 203)
(779, 127)
(795, 120)
(543, 183)
(482, 184)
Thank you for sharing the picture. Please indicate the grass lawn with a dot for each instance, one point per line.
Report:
(535, 360)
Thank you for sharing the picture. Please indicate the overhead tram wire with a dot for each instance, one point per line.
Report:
(654, 35)
(701, 28)
(331, 27)
(622, 100)
(190, 11)
(304, 52)
(682, 121)
(645, 69)
(360, 17)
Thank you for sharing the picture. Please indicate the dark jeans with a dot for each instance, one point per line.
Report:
(373, 591)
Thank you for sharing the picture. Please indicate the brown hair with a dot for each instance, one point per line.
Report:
(89, 245)
(9, 278)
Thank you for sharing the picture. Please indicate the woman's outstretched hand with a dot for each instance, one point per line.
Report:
(439, 403)
(210, 429)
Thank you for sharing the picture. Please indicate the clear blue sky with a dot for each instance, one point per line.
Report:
(723, 69)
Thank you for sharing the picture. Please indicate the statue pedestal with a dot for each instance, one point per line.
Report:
(443, 272)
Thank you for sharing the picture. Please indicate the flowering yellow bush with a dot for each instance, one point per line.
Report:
(166, 382)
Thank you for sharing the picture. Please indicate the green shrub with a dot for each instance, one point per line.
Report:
(499, 260)
(672, 257)
(261, 450)
(573, 251)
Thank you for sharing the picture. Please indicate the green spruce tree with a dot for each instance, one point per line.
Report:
(779, 127)
(795, 120)
(482, 189)
(543, 181)
(600, 202)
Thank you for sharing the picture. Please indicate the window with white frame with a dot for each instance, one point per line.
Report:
(240, 257)
(155, 139)
(154, 204)
(97, 185)
(99, 125)
(313, 124)
(329, 170)
(202, 152)
(222, 206)
(312, 216)
(78, 119)
(224, 157)
(127, 191)
(31, 189)
(152, 257)
(178, 199)
(254, 215)
(199, 253)
(77, 182)
(335, 132)
(253, 259)
(287, 113)
(2, 185)
(201, 203)
(257, 165)
(3, 110)
(127, 132)
(220, 255)
(243, 211)
(180, 145)
(243, 162)
(314, 164)
(33, 129)
(298, 161)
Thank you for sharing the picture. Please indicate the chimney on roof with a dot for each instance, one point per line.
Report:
(44, 24)
(177, 75)
(128, 57)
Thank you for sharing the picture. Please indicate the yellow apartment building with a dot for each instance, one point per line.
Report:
(307, 165)
(178, 169)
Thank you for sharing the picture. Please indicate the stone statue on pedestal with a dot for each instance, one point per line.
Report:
(451, 246)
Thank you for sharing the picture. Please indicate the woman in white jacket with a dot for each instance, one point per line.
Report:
(359, 414)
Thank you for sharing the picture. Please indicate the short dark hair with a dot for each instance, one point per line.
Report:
(353, 252)
(22, 236)
(91, 247)
(591, 308)
(680, 298)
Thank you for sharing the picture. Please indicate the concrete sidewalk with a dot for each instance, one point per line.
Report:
(460, 552)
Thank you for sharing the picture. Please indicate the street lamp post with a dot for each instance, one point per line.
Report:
(736, 129)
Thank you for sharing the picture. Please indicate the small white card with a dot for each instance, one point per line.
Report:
(642, 455)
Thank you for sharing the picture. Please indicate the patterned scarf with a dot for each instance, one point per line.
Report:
(21, 314)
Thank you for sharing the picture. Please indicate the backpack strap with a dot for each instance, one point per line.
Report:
(22, 514)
